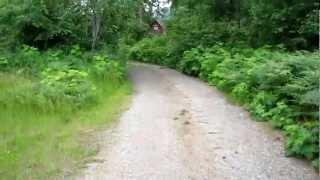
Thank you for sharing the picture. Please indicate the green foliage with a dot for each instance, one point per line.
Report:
(278, 87)
(3, 63)
(241, 92)
(281, 115)
(64, 77)
(37, 23)
(153, 50)
(49, 89)
(283, 23)
(310, 26)
(303, 140)
(190, 63)
(53, 23)
(106, 69)
(228, 73)
(210, 59)
(222, 42)
(27, 59)
(256, 22)
(261, 104)
(69, 85)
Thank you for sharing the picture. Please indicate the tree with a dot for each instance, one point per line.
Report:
(96, 10)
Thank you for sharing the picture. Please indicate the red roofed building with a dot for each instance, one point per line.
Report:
(157, 27)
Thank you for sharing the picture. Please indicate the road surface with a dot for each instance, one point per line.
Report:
(179, 128)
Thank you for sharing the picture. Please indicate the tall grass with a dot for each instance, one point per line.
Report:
(40, 134)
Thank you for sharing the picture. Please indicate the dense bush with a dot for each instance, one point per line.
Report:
(274, 86)
(71, 85)
(107, 69)
(303, 140)
(60, 77)
(153, 50)
(190, 63)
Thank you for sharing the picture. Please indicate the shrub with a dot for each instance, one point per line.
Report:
(303, 140)
(190, 63)
(71, 85)
(104, 68)
(152, 50)
(210, 59)
(61, 76)
(261, 104)
(281, 115)
(227, 74)
(303, 88)
(241, 93)
(28, 59)
(157, 50)
(272, 75)
(123, 50)
(76, 51)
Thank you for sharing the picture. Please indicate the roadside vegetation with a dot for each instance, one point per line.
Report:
(48, 101)
(63, 69)
(263, 55)
(63, 74)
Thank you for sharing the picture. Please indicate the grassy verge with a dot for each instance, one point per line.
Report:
(35, 144)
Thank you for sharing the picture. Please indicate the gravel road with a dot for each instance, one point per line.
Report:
(179, 128)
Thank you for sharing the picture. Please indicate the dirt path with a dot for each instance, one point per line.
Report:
(178, 128)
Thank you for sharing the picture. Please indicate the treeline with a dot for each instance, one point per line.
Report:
(94, 23)
(293, 23)
(54, 23)
(262, 54)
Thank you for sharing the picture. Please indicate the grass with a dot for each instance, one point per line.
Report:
(35, 144)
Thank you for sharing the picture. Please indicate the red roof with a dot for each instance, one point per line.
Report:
(157, 27)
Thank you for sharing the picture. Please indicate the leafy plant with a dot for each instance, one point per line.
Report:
(190, 63)
(281, 115)
(261, 104)
(72, 85)
(151, 50)
(303, 140)
(210, 59)
(104, 68)
(241, 93)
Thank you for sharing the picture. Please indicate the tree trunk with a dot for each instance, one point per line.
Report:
(96, 24)
(141, 13)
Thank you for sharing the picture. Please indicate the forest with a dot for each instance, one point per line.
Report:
(64, 69)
